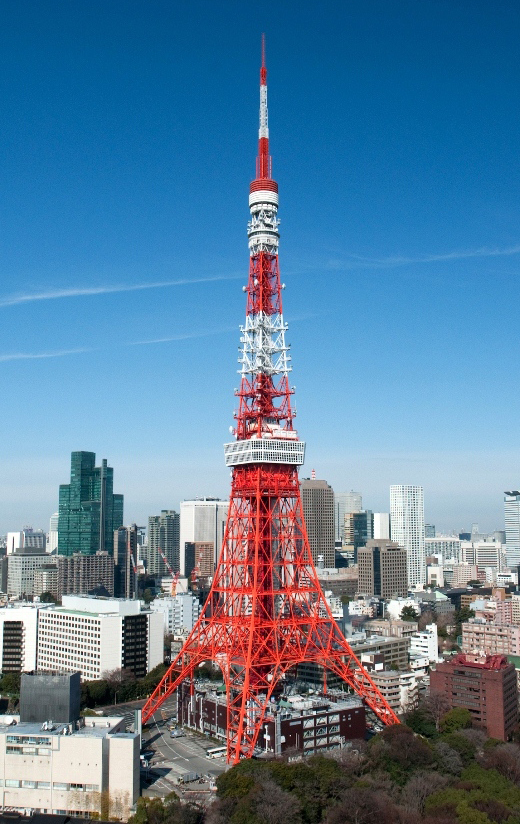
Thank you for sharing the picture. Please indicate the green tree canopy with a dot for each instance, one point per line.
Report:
(458, 718)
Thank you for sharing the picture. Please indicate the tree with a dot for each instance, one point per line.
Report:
(10, 683)
(48, 598)
(437, 705)
(426, 618)
(409, 614)
(458, 718)
(148, 595)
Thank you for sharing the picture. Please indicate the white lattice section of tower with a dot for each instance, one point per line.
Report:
(263, 348)
(262, 229)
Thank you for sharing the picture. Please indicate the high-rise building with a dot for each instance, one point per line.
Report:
(21, 569)
(203, 520)
(318, 510)
(199, 556)
(382, 569)
(52, 535)
(27, 540)
(382, 525)
(429, 530)
(359, 528)
(163, 535)
(344, 502)
(89, 511)
(512, 523)
(407, 528)
(81, 574)
(125, 561)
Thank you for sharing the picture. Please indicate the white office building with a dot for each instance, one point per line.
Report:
(344, 502)
(18, 636)
(27, 539)
(21, 569)
(96, 635)
(203, 519)
(63, 770)
(424, 643)
(446, 546)
(512, 523)
(179, 612)
(52, 535)
(407, 528)
(382, 526)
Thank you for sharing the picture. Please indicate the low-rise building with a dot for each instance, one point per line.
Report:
(21, 569)
(425, 643)
(309, 725)
(480, 638)
(487, 687)
(179, 612)
(391, 628)
(399, 689)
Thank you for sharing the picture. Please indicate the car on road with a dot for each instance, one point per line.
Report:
(177, 734)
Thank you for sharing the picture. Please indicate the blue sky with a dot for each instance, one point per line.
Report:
(128, 135)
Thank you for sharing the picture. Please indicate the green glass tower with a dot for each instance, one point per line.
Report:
(89, 512)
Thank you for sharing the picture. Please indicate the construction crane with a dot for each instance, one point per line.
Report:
(175, 575)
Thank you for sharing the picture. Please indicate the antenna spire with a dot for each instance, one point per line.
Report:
(263, 163)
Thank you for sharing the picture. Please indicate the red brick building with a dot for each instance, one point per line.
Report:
(486, 687)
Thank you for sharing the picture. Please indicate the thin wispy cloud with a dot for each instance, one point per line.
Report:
(76, 292)
(353, 261)
(183, 336)
(60, 353)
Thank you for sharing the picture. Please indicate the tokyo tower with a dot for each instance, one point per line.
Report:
(265, 612)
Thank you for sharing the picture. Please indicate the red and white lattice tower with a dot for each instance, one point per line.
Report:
(266, 612)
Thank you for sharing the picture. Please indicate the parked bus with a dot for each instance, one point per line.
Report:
(216, 752)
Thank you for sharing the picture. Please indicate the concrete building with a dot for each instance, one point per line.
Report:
(179, 612)
(480, 638)
(399, 689)
(52, 535)
(463, 573)
(381, 525)
(125, 561)
(46, 580)
(96, 635)
(394, 650)
(318, 510)
(382, 569)
(512, 523)
(344, 502)
(391, 628)
(446, 546)
(202, 520)
(18, 636)
(65, 770)
(407, 528)
(81, 574)
(199, 556)
(26, 540)
(339, 581)
(486, 687)
(359, 529)
(425, 643)
(21, 569)
(89, 510)
(302, 724)
(163, 534)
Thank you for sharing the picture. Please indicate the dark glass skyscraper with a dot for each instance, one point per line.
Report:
(89, 512)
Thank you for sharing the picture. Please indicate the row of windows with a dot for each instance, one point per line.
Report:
(46, 785)
(28, 739)
(10, 750)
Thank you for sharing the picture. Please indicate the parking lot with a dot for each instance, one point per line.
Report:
(174, 757)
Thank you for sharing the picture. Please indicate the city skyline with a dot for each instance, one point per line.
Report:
(117, 194)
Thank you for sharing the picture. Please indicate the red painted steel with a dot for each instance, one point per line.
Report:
(266, 612)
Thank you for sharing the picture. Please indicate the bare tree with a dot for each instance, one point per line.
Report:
(437, 705)
(449, 759)
(419, 787)
(275, 806)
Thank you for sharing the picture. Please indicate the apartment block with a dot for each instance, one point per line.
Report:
(80, 574)
(480, 638)
(18, 636)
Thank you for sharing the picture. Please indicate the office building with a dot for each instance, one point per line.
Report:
(512, 524)
(202, 520)
(486, 687)
(52, 535)
(382, 569)
(21, 569)
(318, 510)
(27, 540)
(407, 528)
(479, 638)
(381, 525)
(89, 511)
(425, 643)
(18, 636)
(179, 612)
(429, 530)
(68, 769)
(96, 635)
(50, 695)
(359, 528)
(163, 537)
(125, 561)
(199, 556)
(86, 574)
(344, 502)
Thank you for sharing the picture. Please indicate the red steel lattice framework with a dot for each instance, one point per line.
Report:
(266, 612)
